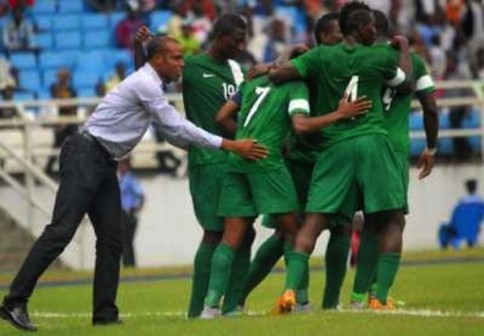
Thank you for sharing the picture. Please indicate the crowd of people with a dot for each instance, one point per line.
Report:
(315, 141)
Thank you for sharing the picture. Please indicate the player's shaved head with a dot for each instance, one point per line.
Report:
(358, 19)
(346, 12)
(323, 25)
(381, 23)
(158, 45)
(227, 24)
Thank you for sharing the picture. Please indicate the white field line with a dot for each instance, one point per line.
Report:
(400, 312)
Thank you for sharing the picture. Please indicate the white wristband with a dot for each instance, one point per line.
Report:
(431, 151)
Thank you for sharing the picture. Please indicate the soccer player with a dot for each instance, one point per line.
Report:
(209, 80)
(397, 110)
(357, 159)
(303, 150)
(253, 188)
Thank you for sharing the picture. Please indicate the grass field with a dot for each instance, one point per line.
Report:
(445, 297)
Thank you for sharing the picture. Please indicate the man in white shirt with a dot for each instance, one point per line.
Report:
(89, 184)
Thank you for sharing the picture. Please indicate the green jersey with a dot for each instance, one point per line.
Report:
(357, 70)
(305, 147)
(397, 107)
(265, 114)
(207, 85)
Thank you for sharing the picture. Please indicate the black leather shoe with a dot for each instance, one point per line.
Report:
(107, 322)
(18, 316)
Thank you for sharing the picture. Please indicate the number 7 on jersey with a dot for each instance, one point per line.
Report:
(262, 93)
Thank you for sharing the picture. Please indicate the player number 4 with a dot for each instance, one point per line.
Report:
(388, 98)
(352, 89)
(262, 93)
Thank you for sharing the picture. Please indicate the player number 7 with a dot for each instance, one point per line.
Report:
(262, 92)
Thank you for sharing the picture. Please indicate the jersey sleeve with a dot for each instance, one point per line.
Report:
(237, 98)
(423, 81)
(298, 98)
(307, 64)
(393, 75)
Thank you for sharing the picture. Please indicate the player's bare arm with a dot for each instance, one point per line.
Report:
(247, 148)
(226, 117)
(284, 73)
(431, 125)
(346, 110)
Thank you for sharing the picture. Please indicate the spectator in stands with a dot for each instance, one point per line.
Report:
(457, 114)
(18, 34)
(62, 89)
(480, 64)
(7, 95)
(142, 6)
(116, 78)
(22, 4)
(103, 6)
(4, 7)
(7, 79)
(132, 200)
(188, 41)
(467, 217)
(267, 47)
(472, 27)
(126, 29)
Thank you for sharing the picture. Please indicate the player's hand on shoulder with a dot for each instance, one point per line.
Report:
(259, 70)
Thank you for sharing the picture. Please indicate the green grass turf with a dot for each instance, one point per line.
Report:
(453, 294)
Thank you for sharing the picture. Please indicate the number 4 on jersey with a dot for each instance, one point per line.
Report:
(351, 90)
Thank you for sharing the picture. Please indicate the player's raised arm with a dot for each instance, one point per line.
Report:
(400, 43)
(346, 110)
(142, 36)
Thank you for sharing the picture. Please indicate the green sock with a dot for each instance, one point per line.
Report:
(302, 295)
(266, 257)
(222, 260)
(240, 268)
(297, 263)
(366, 262)
(388, 265)
(200, 278)
(336, 260)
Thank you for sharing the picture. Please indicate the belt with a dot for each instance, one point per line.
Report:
(91, 138)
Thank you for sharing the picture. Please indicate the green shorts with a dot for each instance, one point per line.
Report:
(206, 184)
(301, 174)
(404, 163)
(251, 194)
(364, 166)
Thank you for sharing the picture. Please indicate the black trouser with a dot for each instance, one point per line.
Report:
(129, 222)
(88, 184)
